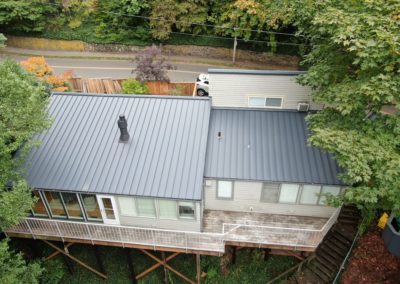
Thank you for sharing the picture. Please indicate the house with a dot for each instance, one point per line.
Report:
(179, 174)
(259, 89)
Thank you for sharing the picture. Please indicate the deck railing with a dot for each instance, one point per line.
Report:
(199, 241)
(278, 235)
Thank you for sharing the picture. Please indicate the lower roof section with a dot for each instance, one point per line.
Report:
(81, 152)
(265, 145)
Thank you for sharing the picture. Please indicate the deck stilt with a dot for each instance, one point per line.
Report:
(55, 253)
(267, 252)
(165, 269)
(68, 264)
(198, 269)
(155, 266)
(98, 259)
(130, 265)
(233, 256)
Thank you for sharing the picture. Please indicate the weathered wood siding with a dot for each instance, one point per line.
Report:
(246, 198)
(233, 90)
(179, 224)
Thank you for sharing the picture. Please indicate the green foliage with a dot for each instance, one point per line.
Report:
(2, 40)
(354, 68)
(53, 272)
(27, 15)
(132, 86)
(23, 101)
(14, 269)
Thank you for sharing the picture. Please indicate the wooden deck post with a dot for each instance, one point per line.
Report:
(165, 268)
(267, 251)
(198, 269)
(98, 259)
(130, 265)
(233, 256)
(68, 264)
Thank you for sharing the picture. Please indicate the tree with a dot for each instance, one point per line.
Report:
(354, 69)
(26, 15)
(39, 67)
(151, 65)
(23, 102)
(2, 40)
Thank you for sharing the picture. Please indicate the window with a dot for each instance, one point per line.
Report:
(186, 210)
(310, 194)
(55, 203)
(334, 190)
(288, 193)
(39, 209)
(225, 189)
(267, 102)
(72, 205)
(167, 209)
(270, 192)
(127, 206)
(91, 206)
(145, 207)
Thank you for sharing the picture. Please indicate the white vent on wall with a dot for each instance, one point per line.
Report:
(303, 106)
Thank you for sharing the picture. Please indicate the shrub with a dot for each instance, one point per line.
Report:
(132, 86)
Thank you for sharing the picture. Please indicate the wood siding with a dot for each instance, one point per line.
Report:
(179, 224)
(246, 198)
(233, 90)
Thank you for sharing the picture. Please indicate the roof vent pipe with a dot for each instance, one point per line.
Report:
(123, 127)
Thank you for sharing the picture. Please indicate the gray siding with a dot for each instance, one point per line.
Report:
(247, 195)
(168, 224)
(233, 90)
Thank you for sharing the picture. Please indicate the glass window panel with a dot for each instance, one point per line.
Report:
(167, 209)
(270, 192)
(186, 210)
(273, 102)
(108, 207)
(92, 208)
(72, 205)
(39, 208)
(334, 190)
(145, 207)
(224, 189)
(127, 206)
(310, 194)
(257, 101)
(55, 204)
(288, 193)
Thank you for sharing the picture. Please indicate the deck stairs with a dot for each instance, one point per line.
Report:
(332, 251)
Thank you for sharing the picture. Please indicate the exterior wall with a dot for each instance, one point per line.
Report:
(233, 90)
(246, 197)
(179, 224)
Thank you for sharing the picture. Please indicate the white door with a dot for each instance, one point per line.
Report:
(108, 209)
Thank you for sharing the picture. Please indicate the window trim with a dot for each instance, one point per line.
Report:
(232, 190)
(65, 206)
(62, 204)
(265, 101)
(44, 204)
(296, 202)
(87, 219)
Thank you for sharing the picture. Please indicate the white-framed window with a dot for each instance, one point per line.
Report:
(225, 189)
(265, 102)
(334, 190)
(186, 210)
(145, 207)
(127, 206)
(288, 193)
(270, 192)
(310, 194)
(167, 209)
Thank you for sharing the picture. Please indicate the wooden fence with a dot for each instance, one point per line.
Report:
(114, 86)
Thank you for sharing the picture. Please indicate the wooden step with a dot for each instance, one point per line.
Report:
(327, 258)
(320, 274)
(333, 254)
(345, 234)
(324, 266)
(342, 248)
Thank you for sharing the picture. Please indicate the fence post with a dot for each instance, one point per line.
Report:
(30, 229)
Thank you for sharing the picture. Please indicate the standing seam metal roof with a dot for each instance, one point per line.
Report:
(164, 157)
(265, 145)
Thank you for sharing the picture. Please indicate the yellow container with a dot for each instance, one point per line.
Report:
(383, 220)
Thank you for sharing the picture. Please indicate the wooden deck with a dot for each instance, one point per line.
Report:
(220, 228)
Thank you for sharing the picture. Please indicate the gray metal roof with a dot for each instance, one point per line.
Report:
(256, 72)
(165, 155)
(265, 145)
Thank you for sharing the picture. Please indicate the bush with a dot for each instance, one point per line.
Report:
(132, 86)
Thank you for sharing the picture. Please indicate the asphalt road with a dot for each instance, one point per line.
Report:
(119, 69)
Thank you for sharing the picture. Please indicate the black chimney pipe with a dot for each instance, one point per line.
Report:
(123, 127)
